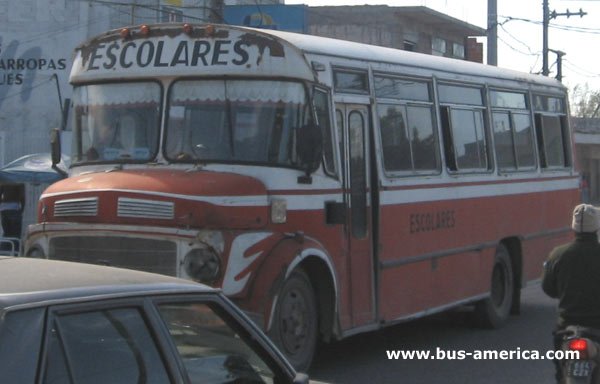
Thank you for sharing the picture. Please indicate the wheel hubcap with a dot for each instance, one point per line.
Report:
(293, 322)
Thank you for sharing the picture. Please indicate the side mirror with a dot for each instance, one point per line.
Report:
(55, 151)
(309, 146)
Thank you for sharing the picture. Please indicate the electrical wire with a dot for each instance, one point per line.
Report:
(518, 41)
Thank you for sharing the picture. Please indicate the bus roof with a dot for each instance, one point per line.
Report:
(242, 51)
(371, 53)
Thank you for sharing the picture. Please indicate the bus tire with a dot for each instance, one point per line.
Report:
(295, 324)
(493, 312)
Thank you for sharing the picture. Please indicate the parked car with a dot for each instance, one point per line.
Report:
(63, 322)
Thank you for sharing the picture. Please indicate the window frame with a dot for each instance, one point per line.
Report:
(308, 106)
(405, 103)
(512, 112)
(360, 71)
(76, 141)
(445, 109)
(332, 132)
(246, 329)
(565, 130)
(138, 303)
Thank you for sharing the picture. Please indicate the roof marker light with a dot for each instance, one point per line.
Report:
(145, 30)
(125, 33)
(188, 29)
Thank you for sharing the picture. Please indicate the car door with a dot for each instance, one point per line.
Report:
(168, 339)
(107, 343)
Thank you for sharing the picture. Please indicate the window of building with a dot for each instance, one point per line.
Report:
(458, 50)
(513, 133)
(464, 133)
(410, 46)
(552, 132)
(171, 14)
(408, 138)
(438, 46)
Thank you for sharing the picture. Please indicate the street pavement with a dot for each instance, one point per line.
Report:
(363, 358)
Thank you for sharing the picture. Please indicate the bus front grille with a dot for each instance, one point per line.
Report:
(158, 256)
(76, 207)
(145, 209)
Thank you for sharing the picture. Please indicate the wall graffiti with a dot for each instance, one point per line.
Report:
(18, 71)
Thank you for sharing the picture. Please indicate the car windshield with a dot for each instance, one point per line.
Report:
(235, 121)
(115, 122)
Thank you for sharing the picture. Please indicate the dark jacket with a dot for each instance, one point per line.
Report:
(572, 274)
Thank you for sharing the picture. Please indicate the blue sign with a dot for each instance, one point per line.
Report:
(291, 18)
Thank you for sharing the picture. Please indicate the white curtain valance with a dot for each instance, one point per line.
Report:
(112, 94)
(219, 90)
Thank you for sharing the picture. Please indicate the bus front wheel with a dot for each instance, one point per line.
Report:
(493, 311)
(295, 325)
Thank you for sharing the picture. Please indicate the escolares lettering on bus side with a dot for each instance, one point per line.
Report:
(432, 221)
(154, 54)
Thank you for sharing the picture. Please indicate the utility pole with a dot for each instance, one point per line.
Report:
(492, 33)
(547, 17)
(559, 56)
(545, 70)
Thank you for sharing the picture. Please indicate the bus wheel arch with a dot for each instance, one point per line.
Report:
(304, 310)
(493, 311)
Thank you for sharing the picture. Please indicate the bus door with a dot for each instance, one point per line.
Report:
(353, 124)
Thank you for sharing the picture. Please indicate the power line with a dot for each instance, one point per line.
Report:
(129, 4)
(517, 40)
(552, 25)
(579, 70)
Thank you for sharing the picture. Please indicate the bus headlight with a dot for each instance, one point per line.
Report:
(202, 265)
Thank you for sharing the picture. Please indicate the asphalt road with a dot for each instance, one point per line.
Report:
(363, 358)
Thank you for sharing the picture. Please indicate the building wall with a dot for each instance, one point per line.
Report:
(587, 149)
(37, 41)
(384, 26)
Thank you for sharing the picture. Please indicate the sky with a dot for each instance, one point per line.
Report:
(520, 32)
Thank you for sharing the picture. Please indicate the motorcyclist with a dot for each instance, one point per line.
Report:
(571, 274)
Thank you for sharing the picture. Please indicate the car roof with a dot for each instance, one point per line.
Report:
(35, 281)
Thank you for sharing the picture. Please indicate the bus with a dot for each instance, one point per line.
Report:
(328, 187)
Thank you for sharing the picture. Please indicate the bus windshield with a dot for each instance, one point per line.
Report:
(239, 121)
(116, 122)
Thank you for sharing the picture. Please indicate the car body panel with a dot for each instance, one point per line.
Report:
(35, 294)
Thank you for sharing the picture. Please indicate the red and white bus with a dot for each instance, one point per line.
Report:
(328, 187)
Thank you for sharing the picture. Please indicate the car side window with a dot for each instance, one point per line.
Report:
(212, 352)
(107, 346)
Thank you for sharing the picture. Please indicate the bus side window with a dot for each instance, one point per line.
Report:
(464, 131)
(321, 102)
(553, 141)
(447, 138)
(552, 133)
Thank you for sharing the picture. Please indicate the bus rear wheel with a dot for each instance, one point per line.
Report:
(493, 312)
(295, 325)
